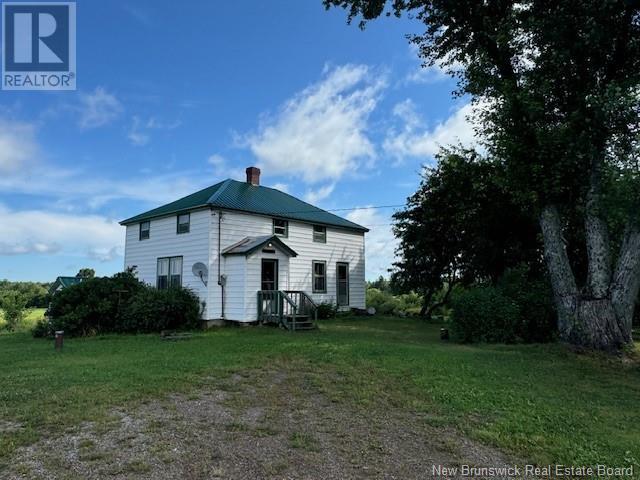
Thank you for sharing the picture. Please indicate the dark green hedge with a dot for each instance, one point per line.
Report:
(119, 304)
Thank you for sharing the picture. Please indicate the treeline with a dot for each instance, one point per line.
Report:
(35, 294)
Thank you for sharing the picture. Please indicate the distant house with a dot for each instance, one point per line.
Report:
(251, 253)
(62, 283)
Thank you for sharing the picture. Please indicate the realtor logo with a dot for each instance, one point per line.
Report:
(39, 46)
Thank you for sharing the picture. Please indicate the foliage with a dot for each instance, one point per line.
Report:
(461, 226)
(121, 304)
(93, 306)
(42, 328)
(533, 296)
(35, 293)
(13, 305)
(86, 273)
(390, 363)
(388, 304)
(484, 314)
(327, 310)
(519, 308)
(153, 310)
(557, 137)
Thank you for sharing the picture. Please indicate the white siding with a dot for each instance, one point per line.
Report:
(243, 273)
(342, 246)
(165, 242)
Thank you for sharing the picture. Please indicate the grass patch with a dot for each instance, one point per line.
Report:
(303, 441)
(540, 402)
(29, 321)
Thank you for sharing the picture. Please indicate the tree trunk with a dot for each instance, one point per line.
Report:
(601, 321)
(598, 245)
(563, 283)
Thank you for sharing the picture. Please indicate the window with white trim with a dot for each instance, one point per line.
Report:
(169, 273)
(319, 234)
(319, 273)
(280, 227)
(184, 223)
(145, 230)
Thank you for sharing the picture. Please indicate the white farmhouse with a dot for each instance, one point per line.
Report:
(251, 253)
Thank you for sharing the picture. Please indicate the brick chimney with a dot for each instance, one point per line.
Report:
(253, 175)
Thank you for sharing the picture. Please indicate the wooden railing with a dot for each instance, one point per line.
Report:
(285, 307)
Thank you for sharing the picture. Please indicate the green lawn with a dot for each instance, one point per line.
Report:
(30, 319)
(540, 402)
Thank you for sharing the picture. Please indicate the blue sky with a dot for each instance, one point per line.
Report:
(175, 96)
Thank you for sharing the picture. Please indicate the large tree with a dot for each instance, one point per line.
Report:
(560, 81)
(461, 226)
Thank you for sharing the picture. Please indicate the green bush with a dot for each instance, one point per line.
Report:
(327, 310)
(383, 302)
(519, 308)
(119, 304)
(152, 310)
(42, 329)
(484, 314)
(534, 298)
(13, 304)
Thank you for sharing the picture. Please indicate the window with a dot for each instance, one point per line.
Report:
(319, 234)
(184, 222)
(280, 227)
(145, 228)
(319, 277)
(342, 283)
(169, 272)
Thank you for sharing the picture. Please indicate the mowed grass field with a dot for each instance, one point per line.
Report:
(30, 319)
(542, 403)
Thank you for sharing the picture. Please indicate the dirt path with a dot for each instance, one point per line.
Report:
(269, 424)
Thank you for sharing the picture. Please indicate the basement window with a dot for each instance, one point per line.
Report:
(184, 223)
(280, 227)
(145, 228)
(319, 234)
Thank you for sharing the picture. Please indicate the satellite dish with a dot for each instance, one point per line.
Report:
(201, 271)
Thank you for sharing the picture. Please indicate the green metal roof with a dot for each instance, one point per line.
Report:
(242, 196)
(249, 245)
(64, 282)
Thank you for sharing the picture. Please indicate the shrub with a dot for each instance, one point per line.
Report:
(484, 314)
(534, 298)
(152, 310)
(119, 304)
(519, 308)
(383, 302)
(42, 329)
(13, 305)
(327, 310)
(94, 305)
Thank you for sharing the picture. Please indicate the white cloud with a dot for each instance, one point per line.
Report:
(139, 133)
(78, 187)
(98, 108)
(40, 232)
(437, 72)
(283, 187)
(321, 133)
(414, 140)
(314, 196)
(135, 135)
(222, 170)
(18, 145)
(380, 242)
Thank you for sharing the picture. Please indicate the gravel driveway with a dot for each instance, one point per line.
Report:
(265, 424)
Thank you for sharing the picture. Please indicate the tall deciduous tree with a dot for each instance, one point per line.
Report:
(561, 79)
(461, 226)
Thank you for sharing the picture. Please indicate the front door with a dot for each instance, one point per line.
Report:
(269, 274)
(342, 283)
